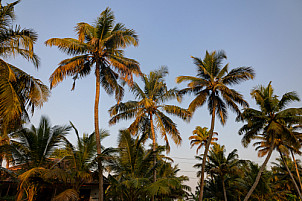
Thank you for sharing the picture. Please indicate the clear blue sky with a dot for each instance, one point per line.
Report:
(263, 34)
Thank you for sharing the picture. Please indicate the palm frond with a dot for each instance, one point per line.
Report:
(67, 195)
(68, 45)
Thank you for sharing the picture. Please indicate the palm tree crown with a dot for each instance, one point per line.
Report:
(100, 45)
(36, 144)
(151, 106)
(210, 84)
(200, 137)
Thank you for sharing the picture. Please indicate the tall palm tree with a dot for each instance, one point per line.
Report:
(150, 108)
(211, 85)
(200, 137)
(270, 122)
(19, 91)
(98, 46)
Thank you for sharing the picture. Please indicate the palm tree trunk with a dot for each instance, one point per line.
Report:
(296, 166)
(290, 174)
(97, 130)
(224, 191)
(154, 149)
(248, 195)
(205, 154)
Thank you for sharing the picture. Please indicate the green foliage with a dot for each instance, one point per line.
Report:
(200, 137)
(19, 91)
(32, 146)
(100, 45)
(149, 108)
(131, 174)
(211, 85)
(270, 123)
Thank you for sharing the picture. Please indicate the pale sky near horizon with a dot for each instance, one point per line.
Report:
(265, 35)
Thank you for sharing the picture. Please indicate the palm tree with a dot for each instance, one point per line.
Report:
(283, 146)
(98, 45)
(282, 170)
(150, 108)
(19, 91)
(295, 129)
(31, 150)
(270, 122)
(264, 191)
(220, 166)
(200, 137)
(132, 170)
(34, 145)
(211, 85)
(83, 160)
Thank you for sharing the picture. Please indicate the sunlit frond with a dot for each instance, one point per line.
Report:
(67, 195)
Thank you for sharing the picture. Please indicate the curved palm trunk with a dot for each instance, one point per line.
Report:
(296, 166)
(248, 195)
(154, 150)
(290, 174)
(97, 130)
(224, 190)
(205, 154)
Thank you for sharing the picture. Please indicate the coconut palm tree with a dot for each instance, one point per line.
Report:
(100, 46)
(149, 109)
(83, 159)
(19, 91)
(31, 150)
(270, 122)
(36, 144)
(284, 147)
(221, 165)
(266, 188)
(132, 171)
(200, 137)
(282, 170)
(211, 85)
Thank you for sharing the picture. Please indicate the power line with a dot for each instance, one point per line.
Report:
(192, 178)
(187, 171)
(183, 158)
